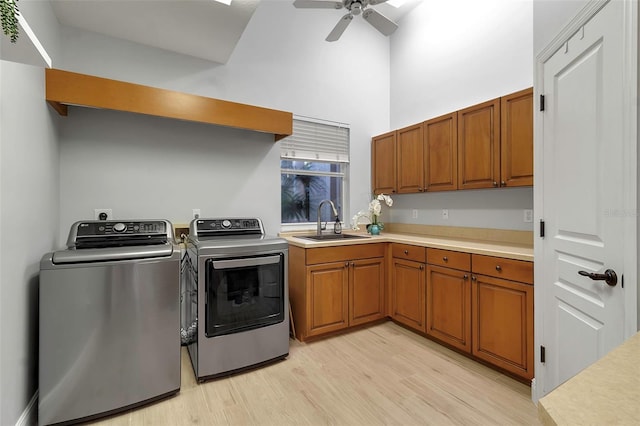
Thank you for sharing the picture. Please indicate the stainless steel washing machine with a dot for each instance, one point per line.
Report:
(109, 320)
(239, 296)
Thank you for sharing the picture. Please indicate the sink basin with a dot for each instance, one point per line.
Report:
(329, 237)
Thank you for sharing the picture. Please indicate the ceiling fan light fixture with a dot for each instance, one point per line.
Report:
(356, 8)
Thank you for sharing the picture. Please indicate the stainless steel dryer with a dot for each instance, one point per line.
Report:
(109, 320)
(239, 296)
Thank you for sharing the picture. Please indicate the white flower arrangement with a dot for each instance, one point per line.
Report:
(371, 216)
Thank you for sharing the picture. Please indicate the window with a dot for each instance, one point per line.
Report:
(313, 163)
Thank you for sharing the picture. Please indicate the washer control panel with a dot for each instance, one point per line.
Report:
(107, 227)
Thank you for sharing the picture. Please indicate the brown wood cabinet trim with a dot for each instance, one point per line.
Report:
(415, 323)
(408, 252)
(450, 169)
(410, 159)
(517, 123)
(449, 259)
(524, 365)
(383, 166)
(462, 310)
(67, 88)
(372, 292)
(500, 267)
(465, 159)
(343, 253)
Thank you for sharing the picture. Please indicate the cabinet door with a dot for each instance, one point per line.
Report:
(366, 291)
(479, 146)
(327, 298)
(407, 293)
(517, 139)
(410, 169)
(383, 163)
(503, 323)
(449, 306)
(441, 153)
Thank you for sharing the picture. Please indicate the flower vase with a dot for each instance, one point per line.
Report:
(374, 229)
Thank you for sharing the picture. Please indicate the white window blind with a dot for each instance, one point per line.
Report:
(316, 141)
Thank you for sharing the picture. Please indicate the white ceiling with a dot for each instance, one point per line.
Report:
(205, 29)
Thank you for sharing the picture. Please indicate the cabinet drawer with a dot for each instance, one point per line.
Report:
(509, 269)
(343, 253)
(448, 258)
(409, 252)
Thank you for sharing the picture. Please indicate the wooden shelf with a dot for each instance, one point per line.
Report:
(65, 88)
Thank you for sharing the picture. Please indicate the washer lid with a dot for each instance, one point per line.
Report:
(112, 254)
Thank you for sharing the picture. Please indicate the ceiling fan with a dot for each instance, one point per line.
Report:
(355, 7)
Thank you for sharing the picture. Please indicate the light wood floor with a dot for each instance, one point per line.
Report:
(380, 375)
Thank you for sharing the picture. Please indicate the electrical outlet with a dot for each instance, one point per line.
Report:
(414, 213)
(97, 212)
(445, 214)
(196, 213)
(528, 215)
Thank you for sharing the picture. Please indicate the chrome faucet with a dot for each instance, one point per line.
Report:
(335, 212)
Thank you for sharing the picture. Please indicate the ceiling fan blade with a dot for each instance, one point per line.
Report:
(381, 23)
(342, 25)
(317, 4)
(374, 2)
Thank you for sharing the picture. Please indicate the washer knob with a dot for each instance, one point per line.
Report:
(226, 223)
(119, 227)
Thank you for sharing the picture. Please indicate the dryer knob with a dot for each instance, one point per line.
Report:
(226, 224)
(119, 227)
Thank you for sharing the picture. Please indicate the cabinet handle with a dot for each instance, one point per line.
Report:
(465, 277)
(445, 258)
(503, 183)
(495, 184)
(419, 189)
(406, 252)
(498, 268)
(421, 267)
(353, 264)
(346, 264)
(473, 278)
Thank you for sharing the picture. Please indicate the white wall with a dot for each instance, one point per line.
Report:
(551, 16)
(28, 226)
(281, 62)
(448, 55)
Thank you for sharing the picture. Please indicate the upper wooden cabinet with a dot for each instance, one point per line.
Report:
(516, 158)
(479, 146)
(383, 163)
(410, 166)
(441, 153)
(484, 146)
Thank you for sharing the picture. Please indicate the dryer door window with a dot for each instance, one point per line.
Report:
(243, 293)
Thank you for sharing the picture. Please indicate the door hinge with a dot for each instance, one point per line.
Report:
(541, 228)
(541, 102)
(622, 281)
(542, 354)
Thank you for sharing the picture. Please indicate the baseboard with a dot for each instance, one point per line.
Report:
(29, 416)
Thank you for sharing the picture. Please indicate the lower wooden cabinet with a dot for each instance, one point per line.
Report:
(334, 288)
(449, 306)
(407, 293)
(366, 290)
(327, 298)
(481, 305)
(503, 314)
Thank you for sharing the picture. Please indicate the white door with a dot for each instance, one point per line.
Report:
(583, 198)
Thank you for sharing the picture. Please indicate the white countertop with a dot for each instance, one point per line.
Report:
(489, 248)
